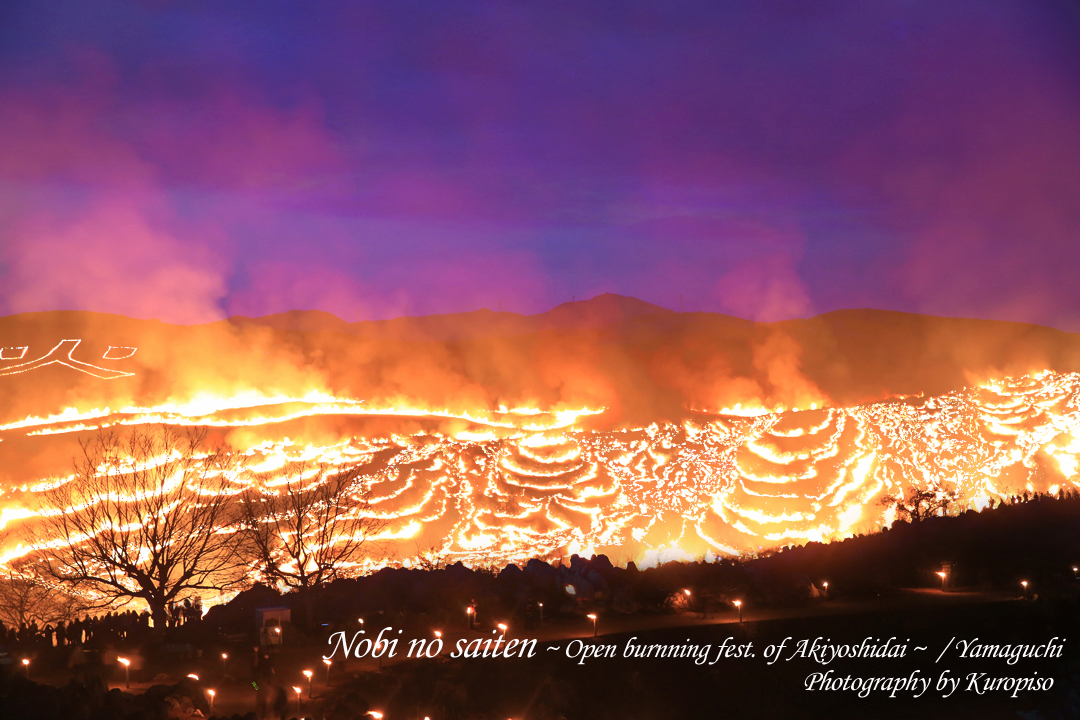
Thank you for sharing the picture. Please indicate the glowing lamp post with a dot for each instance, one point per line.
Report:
(942, 575)
(224, 659)
(1076, 572)
(298, 691)
(26, 666)
(211, 694)
(738, 604)
(592, 617)
(826, 586)
(327, 662)
(542, 610)
(1024, 583)
(127, 670)
(438, 634)
(308, 674)
(502, 626)
(376, 715)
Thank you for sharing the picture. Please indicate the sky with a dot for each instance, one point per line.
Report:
(191, 160)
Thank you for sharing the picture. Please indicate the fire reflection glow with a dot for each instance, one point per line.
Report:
(490, 487)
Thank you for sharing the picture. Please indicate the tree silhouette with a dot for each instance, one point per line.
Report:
(309, 528)
(27, 598)
(150, 515)
(919, 504)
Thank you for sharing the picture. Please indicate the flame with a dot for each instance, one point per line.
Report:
(495, 486)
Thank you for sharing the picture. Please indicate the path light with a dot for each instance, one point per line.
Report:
(26, 666)
(127, 670)
(297, 698)
(211, 693)
(308, 674)
(542, 611)
(592, 617)
(826, 586)
(438, 633)
(224, 657)
(502, 627)
(942, 575)
(1024, 583)
(327, 662)
(738, 604)
(1076, 572)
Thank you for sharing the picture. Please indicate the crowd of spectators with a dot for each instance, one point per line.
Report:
(111, 627)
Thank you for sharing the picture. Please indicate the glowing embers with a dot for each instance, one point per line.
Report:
(498, 486)
(61, 355)
(251, 408)
(804, 476)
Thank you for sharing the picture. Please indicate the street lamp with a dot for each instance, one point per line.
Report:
(592, 617)
(327, 662)
(26, 666)
(211, 693)
(308, 674)
(826, 586)
(376, 715)
(1076, 572)
(542, 611)
(438, 634)
(738, 604)
(942, 575)
(502, 627)
(224, 657)
(127, 670)
(297, 698)
(1025, 584)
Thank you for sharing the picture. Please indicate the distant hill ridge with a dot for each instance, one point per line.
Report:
(602, 311)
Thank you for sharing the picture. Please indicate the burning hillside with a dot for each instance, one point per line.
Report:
(568, 461)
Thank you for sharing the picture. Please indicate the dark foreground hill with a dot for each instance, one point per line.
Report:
(1035, 540)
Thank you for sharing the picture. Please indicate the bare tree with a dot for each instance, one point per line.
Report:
(921, 504)
(309, 525)
(434, 558)
(146, 516)
(29, 598)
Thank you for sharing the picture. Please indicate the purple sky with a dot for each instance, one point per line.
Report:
(188, 160)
